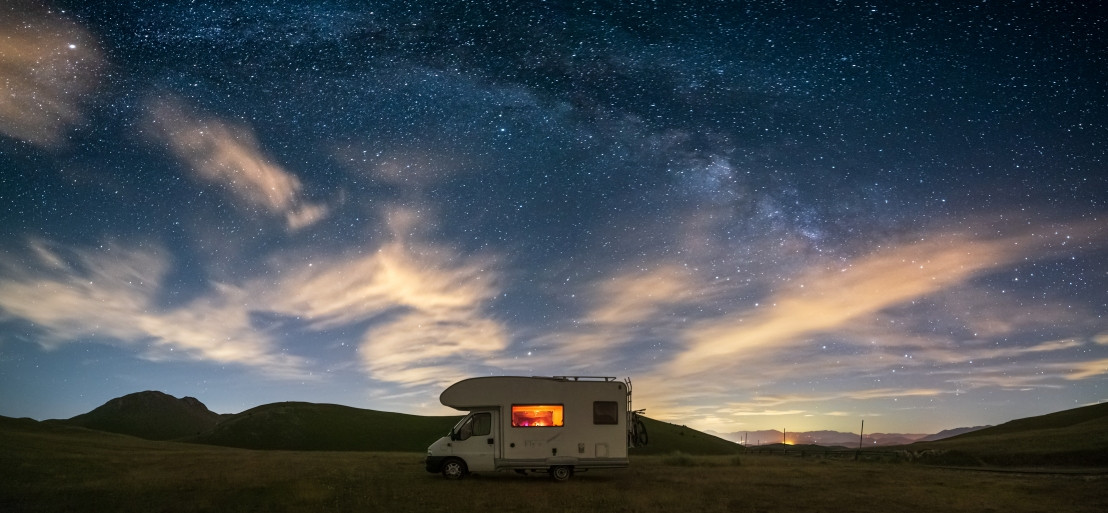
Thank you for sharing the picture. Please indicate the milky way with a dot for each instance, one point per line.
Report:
(768, 216)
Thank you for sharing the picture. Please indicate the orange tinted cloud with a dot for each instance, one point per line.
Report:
(1083, 370)
(619, 307)
(229, 154)
(638, 296)
(428, 300)
(829, 298)
(48, 66)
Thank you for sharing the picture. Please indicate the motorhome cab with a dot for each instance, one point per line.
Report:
(558, 425)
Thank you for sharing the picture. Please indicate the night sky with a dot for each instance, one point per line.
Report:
(768, 214)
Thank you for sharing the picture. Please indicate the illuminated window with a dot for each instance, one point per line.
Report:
(537, 415)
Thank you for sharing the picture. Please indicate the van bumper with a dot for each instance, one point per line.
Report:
(434, 464)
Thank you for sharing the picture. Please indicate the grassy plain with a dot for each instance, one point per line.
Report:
(79, 470)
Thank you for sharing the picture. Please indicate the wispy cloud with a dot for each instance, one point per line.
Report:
(882, 393)
(425, 303)
(48, 66)
(420, 306)
(989, 353)
(827, 298)
(110, 295)
(641, 295)
(1082, 370)
(620, 309)
(1010, 376)
(229, 154)
(405, 166)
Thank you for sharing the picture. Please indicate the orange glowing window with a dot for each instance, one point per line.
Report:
(537, 415)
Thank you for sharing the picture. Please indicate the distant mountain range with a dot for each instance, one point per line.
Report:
(947, 433)
(837, 438)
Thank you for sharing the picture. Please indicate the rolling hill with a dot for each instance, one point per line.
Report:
(1074, 438)
(151, 415)
(325, 427)
(667, 438)
(1067, 418)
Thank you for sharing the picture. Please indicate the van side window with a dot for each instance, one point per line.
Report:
(478, 424)
(482, 424)
(605, 412)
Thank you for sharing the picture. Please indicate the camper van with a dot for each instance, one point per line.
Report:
(557, 425)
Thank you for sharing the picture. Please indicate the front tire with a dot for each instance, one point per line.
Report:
(561, 472)
(454, 468)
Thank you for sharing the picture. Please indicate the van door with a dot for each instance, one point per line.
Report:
(475, 440)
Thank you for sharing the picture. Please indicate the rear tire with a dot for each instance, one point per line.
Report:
(641, 438)
(561, 472)
(454, 468)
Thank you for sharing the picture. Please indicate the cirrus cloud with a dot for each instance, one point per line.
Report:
(825, 298)
(424, 303)
(111, 295)
(221, 152)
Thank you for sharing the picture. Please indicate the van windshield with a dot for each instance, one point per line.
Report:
(475, 424)
(458, 425)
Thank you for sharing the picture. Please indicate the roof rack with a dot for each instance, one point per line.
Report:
(585, 378)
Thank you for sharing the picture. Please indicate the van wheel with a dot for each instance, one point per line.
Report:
(454, 468)
(641, 438)
(561, 472)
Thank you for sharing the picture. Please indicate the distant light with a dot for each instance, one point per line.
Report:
(72, 46)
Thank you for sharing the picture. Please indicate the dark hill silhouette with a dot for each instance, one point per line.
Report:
(151, 415)
(1057, 420)
(327, 427)
(1070, 438)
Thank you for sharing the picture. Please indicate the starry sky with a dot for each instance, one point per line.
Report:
(768, 214)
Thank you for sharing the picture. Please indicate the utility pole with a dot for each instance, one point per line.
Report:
(860, 431)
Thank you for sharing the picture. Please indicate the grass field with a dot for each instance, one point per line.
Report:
(77, 470)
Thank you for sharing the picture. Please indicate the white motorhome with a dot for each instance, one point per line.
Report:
(558, 425)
